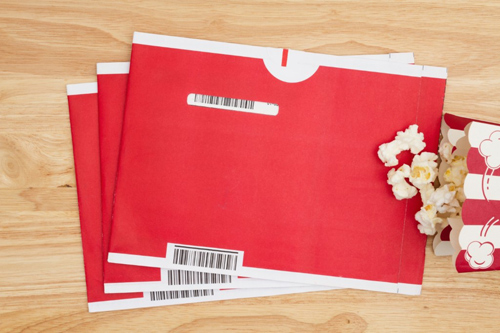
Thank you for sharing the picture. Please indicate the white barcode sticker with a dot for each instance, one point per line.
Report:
(204, 259)
(177, 277)
(233, 104)
(177, 294)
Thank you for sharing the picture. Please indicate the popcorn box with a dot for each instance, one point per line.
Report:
(475, 235)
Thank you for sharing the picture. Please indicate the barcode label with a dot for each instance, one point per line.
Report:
(204, 259)
(189, 257)
(224, 101)
(177, 277)
(233, 104)
(176, 294)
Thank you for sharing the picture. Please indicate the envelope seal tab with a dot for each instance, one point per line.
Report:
(289, 65)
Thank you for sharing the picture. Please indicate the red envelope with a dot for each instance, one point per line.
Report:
(221, 159)
(112, 83)
(82, 101)
(83, 111)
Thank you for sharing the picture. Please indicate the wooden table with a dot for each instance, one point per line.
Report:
(47, 44)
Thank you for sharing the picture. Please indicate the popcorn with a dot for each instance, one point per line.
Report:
(438, 204)
(400, 188)
(410, 139)
(397, 176)
(426, 192)
(444, 200)
(457, 171)
(460, 194)
(388, 151)
(445, 149)
(423, 169)
(428, 220)
(404, 190)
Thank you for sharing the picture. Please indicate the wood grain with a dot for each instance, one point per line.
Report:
(47, 44)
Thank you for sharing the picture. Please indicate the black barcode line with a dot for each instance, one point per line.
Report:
(205, 259)
(225, 101)
(204, 249)
(177, 277)
(177, 294)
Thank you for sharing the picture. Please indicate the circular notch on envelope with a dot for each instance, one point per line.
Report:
(289, 65)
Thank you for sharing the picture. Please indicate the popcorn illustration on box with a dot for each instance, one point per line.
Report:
(479, 255)
(490, 150)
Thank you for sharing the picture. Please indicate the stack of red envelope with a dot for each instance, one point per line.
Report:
(211, 171)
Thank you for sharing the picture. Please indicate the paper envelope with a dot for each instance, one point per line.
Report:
(476, 235)
(112, 86)
(83, 110)
(112, 80)
(262, 162)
